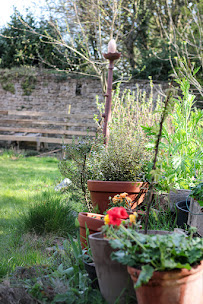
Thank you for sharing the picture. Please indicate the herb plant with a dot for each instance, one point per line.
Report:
(154, 252)
(126, 158)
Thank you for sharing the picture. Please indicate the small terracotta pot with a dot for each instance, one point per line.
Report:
(92, 221)
(100, 191)
(171, 287)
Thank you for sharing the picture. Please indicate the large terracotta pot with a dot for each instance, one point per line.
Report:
(114, 280)
(171, 287)
(92, 221)
(100, 191)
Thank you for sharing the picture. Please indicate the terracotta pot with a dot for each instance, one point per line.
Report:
(171, 287)
(92, 221)
(114, 280)
(100, 191)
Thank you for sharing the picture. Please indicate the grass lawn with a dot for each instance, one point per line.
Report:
(21, 178)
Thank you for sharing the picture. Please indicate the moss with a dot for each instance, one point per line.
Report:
(26, 73)
(8, 86)
(28, 85)
(6, 82)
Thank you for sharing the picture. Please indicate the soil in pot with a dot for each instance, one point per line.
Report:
(182, 213)
(170, 287)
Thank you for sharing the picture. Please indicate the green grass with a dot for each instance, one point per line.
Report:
(50, 212)
(22, 180)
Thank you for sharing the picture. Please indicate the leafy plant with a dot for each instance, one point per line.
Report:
(161, 219)
(180, 161)
(155, 252)
(79, 289)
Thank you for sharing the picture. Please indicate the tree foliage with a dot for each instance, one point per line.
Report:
(153, 37)
(23, 42)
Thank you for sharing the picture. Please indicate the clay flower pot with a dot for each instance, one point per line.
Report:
(100, 191)
(92, 221)
(175, 286)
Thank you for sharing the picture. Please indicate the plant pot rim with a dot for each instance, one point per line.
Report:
(184, 210)
(113, 186)
(168, 274)
(119, 182)
(99, 235)
(90, 221)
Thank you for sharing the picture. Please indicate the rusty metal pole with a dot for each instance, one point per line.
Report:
(107, 115)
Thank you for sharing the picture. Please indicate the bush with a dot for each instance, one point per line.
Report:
(50, 214)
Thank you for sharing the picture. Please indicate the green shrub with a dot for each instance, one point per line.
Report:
(49, 213)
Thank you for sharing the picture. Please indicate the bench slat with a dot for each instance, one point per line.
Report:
(39, 139)
(47, 122)
(44, 113)
(47, 131)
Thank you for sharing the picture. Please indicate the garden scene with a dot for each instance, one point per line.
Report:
(111, 212)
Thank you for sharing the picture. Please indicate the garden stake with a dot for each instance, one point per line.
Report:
(150, 191)
(111, 56)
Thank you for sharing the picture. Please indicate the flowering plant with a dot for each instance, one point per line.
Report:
(118, 216)
(121, 200)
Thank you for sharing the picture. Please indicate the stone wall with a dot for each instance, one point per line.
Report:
(53, 93)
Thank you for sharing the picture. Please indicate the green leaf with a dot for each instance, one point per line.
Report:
(116, 244)
(145, 275)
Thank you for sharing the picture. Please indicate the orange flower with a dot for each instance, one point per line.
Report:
(115, 199)
(123, 195)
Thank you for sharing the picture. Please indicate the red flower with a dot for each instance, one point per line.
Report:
(114, 221)
(118, 212)
(116, 215)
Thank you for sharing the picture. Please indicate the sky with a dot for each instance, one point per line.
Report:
(6, 8)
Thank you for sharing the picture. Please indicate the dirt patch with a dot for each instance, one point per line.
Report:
(15, 295)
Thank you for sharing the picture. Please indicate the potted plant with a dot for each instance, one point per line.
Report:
(94, 221)
(162, 267)
(123, 165)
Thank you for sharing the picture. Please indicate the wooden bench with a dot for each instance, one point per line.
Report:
(44, 127)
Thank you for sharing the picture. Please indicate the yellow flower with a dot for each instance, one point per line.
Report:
(123, 195)
(106, 219)
(135, 213)
(132, 218)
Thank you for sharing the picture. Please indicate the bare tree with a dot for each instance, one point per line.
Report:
(185, 37)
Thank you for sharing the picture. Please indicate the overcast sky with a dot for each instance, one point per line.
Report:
(6, 8)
